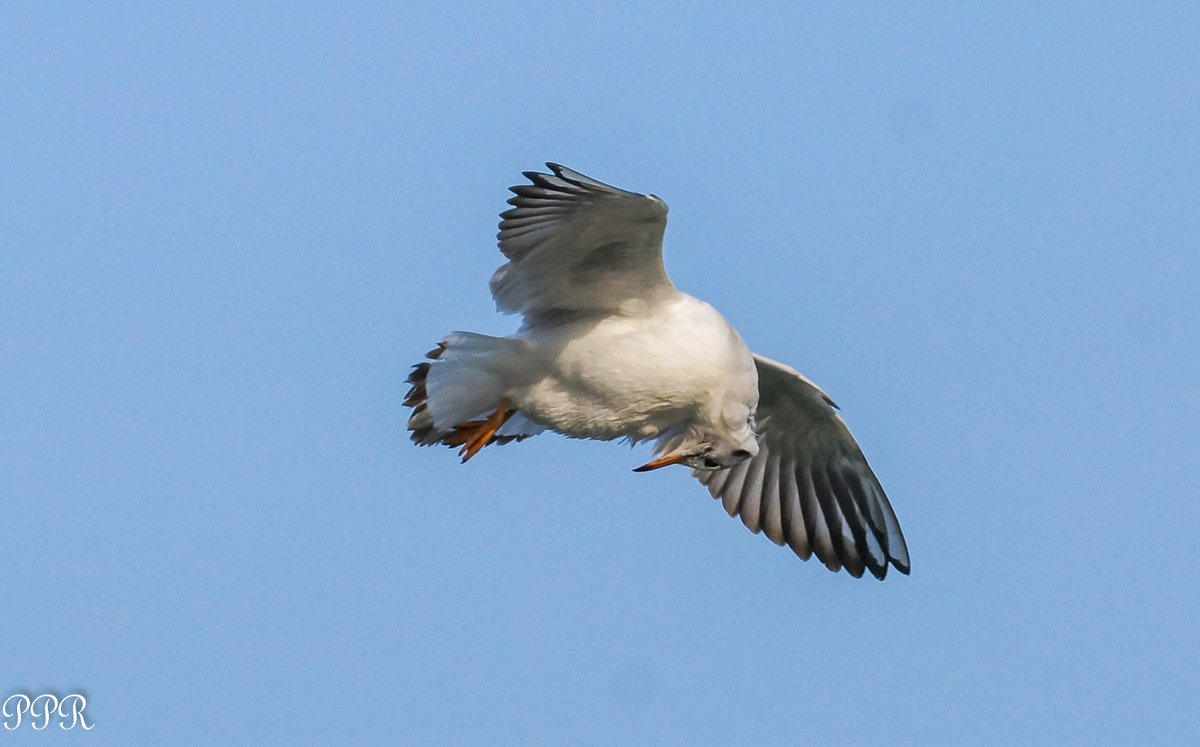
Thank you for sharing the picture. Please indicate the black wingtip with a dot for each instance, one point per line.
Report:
(881, 571)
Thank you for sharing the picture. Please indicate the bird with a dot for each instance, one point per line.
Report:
(609, 349)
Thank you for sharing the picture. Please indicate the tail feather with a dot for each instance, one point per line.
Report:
(420, 422)
(465, 378)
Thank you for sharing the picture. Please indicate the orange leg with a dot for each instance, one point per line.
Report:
(473, 435)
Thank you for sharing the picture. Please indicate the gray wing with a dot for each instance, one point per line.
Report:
(577, 245)
(810, 486)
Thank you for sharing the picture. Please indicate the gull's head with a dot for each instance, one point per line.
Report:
(706, 448)
(721, 435)
(724, 456)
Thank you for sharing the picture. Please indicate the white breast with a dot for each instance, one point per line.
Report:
(637, 375)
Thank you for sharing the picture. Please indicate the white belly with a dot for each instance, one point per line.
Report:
(635, 376)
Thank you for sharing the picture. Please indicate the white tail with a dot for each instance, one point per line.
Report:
(466, 377)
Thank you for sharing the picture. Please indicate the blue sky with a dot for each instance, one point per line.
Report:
(228, 231)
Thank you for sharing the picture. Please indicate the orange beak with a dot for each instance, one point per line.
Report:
(665, 461)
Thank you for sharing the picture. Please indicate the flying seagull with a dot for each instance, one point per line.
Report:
(610, 349)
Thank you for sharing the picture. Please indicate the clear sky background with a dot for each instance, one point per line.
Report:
(226, 234)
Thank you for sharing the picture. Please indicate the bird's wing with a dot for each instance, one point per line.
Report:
(810, 486)
(577, 245)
